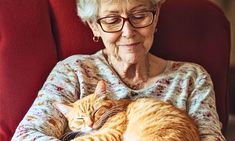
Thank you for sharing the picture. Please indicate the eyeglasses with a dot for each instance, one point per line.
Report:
(113, 24)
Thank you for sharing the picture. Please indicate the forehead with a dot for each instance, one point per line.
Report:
(122, 6)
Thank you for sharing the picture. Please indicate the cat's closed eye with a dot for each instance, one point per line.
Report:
(79, 118)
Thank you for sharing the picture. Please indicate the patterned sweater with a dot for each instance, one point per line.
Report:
(186, 85)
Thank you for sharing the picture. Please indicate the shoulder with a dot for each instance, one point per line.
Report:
(76, 62)
(192, 74)
(82, 57)
(185, 66)
(188, 70)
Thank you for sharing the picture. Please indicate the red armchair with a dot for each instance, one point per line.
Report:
(35, 34)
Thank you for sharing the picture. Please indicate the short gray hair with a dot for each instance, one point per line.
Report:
(87, 9)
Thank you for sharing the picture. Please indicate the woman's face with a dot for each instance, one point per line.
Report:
(129, 44)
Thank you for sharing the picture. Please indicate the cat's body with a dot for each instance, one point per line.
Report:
(145, 119)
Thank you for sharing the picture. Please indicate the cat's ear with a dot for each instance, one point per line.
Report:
(63, 108)
(100, 90)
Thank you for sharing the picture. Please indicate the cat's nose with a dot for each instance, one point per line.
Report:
(90, 123)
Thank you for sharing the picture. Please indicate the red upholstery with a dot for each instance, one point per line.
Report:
(71, 34)
(27, 54)
(33, 33)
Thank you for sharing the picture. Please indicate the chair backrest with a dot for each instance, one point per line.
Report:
(188, 30)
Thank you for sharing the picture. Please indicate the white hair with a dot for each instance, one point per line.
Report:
(87, 9)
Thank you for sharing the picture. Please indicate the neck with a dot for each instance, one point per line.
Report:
(133, 74)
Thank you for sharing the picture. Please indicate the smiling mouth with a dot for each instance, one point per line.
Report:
(132, 45)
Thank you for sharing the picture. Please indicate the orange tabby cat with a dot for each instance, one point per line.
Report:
(145, 119)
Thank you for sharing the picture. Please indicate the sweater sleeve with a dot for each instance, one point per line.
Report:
(43, 121)
(202, 108)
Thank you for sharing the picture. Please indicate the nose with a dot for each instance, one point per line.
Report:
(89, 122)
(128, 30)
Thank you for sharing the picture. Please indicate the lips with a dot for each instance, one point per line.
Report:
(130, 45)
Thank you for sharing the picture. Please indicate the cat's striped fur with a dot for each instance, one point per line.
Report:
(145, 119)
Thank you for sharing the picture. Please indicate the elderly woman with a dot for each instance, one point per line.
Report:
(126, 28)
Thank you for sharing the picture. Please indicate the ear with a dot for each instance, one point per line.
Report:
(161, 2)
(158, 6)
(94, 28)
(100, 90)
(63, 108)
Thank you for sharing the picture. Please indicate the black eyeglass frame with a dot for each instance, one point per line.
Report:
(124, 20)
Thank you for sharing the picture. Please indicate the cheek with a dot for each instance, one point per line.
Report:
(149, 41)
(149, 33)
(76, 125)
(109, 39)
(148, 38)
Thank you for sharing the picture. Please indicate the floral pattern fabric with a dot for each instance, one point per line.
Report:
(186, 85)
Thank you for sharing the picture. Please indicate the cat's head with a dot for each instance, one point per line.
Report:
(83, 114)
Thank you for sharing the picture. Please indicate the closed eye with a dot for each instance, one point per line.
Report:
(139, 16)
(79, 118)
(111, 20)
(78, 121)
